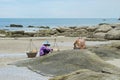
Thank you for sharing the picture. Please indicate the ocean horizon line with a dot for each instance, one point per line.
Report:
(63, 18)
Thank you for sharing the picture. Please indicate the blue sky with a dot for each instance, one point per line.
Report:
(59, 8)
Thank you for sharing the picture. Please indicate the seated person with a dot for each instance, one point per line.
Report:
(45, 49)
(79, 43)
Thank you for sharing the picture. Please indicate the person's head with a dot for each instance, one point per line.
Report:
(46, 43)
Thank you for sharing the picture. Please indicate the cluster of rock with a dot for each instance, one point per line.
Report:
(4, 33)
(44, 27)
(101, 31)
(30, 26)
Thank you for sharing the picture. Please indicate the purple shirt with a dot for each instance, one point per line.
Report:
(42, 50)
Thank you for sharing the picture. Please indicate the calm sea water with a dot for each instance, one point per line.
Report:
(52, 22)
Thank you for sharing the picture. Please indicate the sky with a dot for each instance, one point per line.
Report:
(59, 8)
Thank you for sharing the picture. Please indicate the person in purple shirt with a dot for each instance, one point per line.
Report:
(44, 49)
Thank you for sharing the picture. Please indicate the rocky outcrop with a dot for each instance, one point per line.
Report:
(87, 75)
(15, 25)
(19, 34)
(2, 33)
(91, 29)
(67, 61)
(102, 31)
(103, 28)
(113, 35)
(99, 35)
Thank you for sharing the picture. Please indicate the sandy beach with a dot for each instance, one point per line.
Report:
(21, 45)
(14, 49)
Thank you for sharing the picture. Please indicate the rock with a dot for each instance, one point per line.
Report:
(82, 32)
(116, 26)
(2, 35)
(86, 75)
(113, 35)
(103, 24)
(67, 61)
(15, 25)
(61, 30)
(103, 28)
(114, 45)
(15, 33)
(99, 35)
(91, 29)
(44, 27)
(43, 33)
(106, 52)
(2, 31)
(30, 26)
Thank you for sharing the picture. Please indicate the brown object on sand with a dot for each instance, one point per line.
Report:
(32, 51)
(31, 54)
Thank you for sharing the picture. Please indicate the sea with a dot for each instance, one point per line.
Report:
(51, 22)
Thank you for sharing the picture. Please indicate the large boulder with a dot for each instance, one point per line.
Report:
(91, 29)
(82, 32)
(67, 61)
(103, 28)
(99, 35)
(113, 35)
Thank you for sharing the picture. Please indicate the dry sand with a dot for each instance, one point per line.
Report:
(14, 49)
(21, 45)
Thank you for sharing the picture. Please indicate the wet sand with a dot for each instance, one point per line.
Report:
(11, 72)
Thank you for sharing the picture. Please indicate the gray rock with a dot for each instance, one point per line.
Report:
(91, 29)
(99, 35)
(113, 35)
(67, 61)
(86, 75)
(103, 28)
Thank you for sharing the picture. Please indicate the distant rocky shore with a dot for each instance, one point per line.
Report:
(101, 31)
